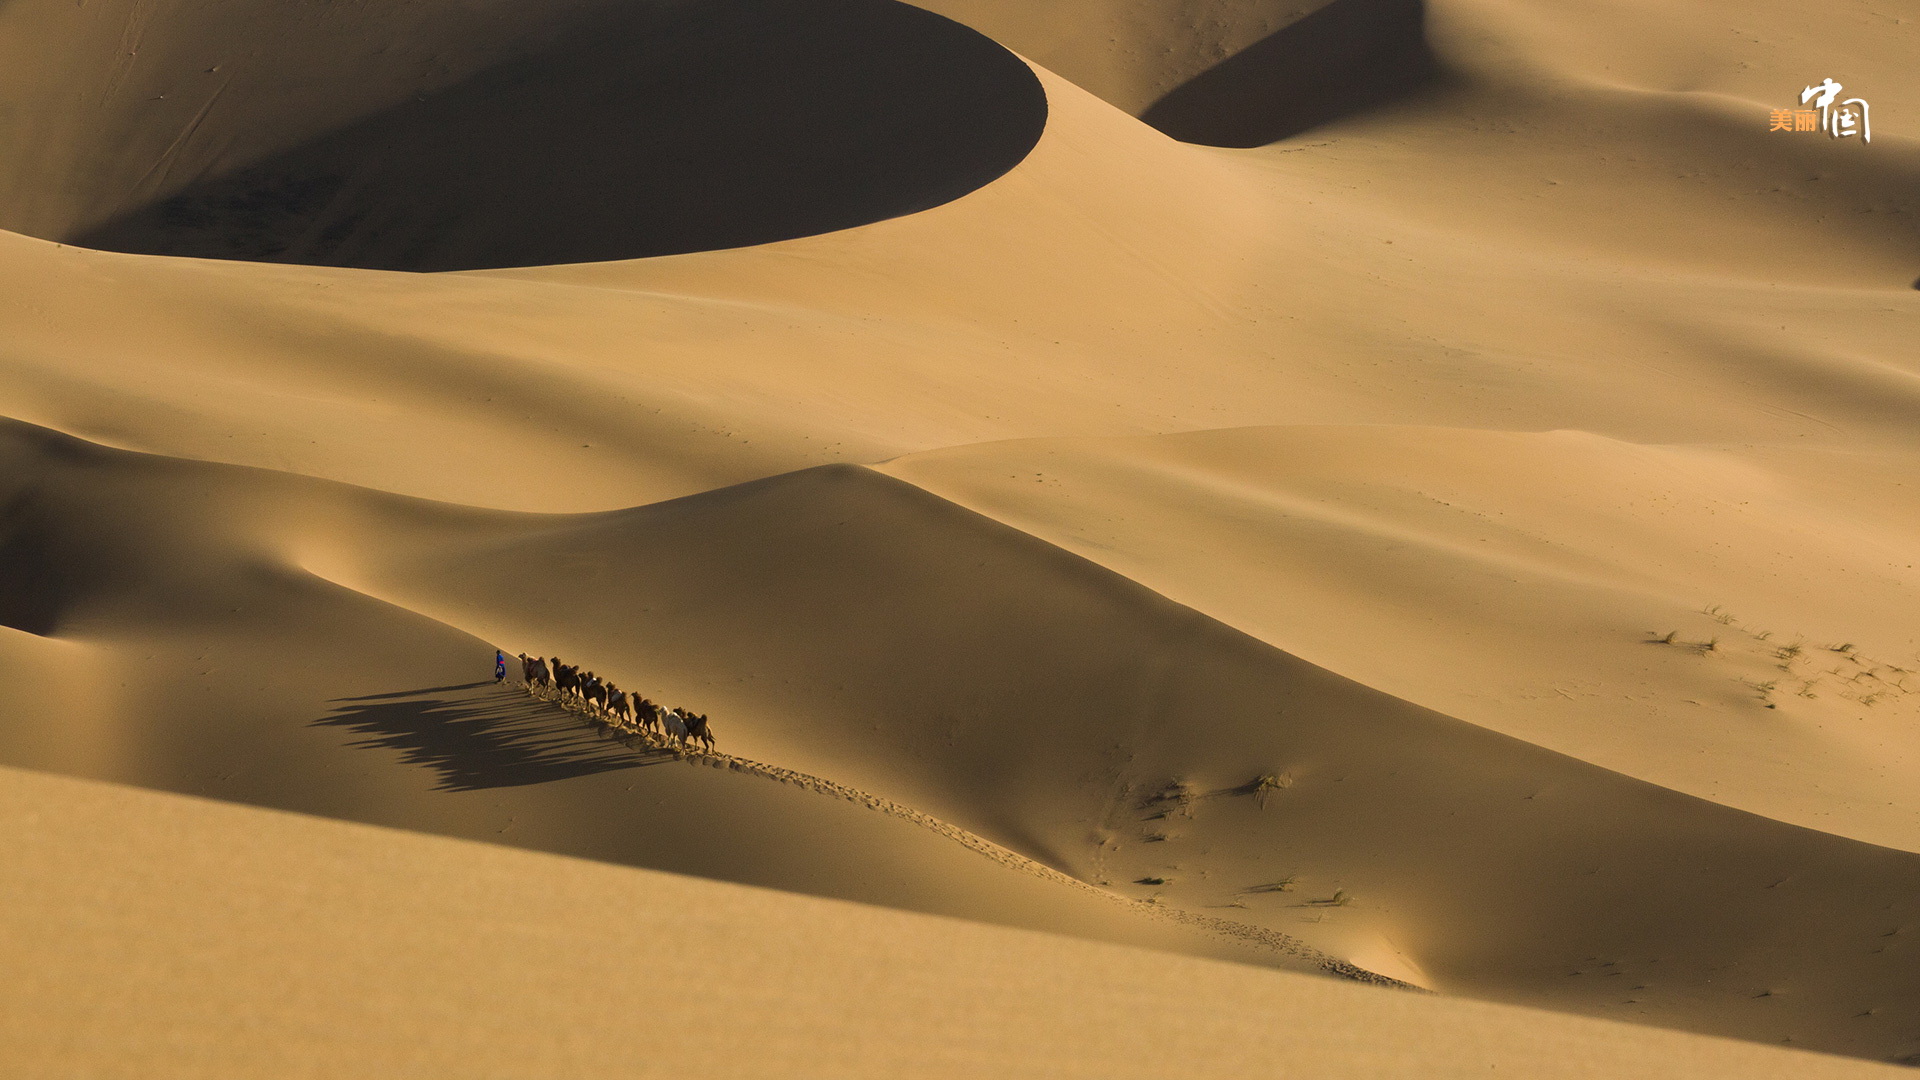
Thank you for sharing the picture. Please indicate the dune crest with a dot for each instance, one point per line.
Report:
(1459, 527)
(954, 666)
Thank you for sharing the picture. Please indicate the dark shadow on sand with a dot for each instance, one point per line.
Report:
(657, 129)
(1346, 57)
(475, 685)
(487, 738)
(36, 585)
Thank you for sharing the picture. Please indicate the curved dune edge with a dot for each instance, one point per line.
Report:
(1219, 72)
(1548, 567)
(1053, 707)
(1270, 940)
(1460, 266)
(581, 131)
(177, 937)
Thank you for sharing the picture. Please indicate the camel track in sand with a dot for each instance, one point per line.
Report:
(1271, 940)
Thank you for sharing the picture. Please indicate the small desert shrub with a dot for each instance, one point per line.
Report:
(1266, 784)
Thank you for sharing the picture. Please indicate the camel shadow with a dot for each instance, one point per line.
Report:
(486, 739)
(398, 694)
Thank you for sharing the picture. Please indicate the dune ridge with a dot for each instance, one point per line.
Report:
(1358, 536)
(1370, 848)
(1462, 523)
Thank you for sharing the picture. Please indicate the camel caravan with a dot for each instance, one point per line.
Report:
(626, 713)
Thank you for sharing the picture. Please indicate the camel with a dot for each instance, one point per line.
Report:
(699, 731)
(625, 715)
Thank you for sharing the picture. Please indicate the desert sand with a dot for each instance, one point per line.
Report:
(1177, 509)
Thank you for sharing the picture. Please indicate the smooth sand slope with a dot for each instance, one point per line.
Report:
(1560, 555)
(1057, 478)
(323, 949)
(200, 652)
(255, 630)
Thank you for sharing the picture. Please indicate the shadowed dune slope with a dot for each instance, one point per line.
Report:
(196, 653)
(1247, 72)
(444, 958)
(1221, 72)
(645, 129)
(1129, 53)
(1115, 283)
(255, 633)
(1345, 58)
(1283, 534)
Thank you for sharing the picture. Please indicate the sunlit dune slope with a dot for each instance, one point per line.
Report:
(270, 637)
(354, 951)
(1735, 622)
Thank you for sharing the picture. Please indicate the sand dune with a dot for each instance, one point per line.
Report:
(202, 655)
(949, 664)
(633, 131)
(1561, 561)
(1222, 72)
(600, 971)
(974, 442)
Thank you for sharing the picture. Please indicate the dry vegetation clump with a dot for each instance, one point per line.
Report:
(1861, 679)
(1266, 784)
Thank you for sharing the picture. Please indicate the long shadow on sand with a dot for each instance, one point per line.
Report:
(657, 128)
(1346, 57)
(480, 736)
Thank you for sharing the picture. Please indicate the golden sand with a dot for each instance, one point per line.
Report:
(1416, 489)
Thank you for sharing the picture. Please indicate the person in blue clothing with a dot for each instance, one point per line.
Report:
(499, 666)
